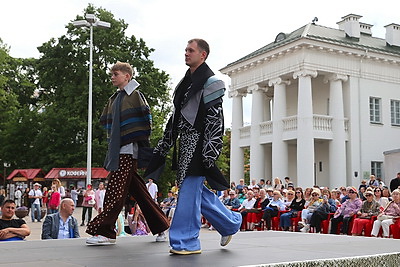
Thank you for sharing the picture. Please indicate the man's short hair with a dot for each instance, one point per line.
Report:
(8, 201)
(202, 44)
(123, 67)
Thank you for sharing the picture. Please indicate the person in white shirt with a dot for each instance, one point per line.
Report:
(153, 189)
(18, 196)
(35, 195)
(99, 197)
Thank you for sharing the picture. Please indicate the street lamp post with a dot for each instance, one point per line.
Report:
(90, 22)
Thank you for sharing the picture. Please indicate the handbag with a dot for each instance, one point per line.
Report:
(92, 202)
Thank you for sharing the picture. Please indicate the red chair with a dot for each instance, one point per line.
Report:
(275, 221)
(395, 229)
(295, 222)
(325, 224)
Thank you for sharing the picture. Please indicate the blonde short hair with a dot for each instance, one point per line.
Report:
(123, 67)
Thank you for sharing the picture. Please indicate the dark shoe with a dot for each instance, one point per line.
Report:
(83, 224)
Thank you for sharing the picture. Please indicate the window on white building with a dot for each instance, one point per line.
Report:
(376, 168)
(395, 112)
(375, 110)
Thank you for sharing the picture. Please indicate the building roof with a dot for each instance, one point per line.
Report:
(328, 35)
(29, 174)
(76, 173)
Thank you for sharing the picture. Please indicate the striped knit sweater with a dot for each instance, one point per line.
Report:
(135, 118)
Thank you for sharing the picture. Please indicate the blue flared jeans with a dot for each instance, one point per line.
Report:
(195, 199)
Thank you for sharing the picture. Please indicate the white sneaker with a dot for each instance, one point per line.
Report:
(161, 237)
(301, 224)
(225, 240)
(305, 229)
(100, 240)
(204, 225)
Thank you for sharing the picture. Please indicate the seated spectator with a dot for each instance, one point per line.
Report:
(307, 194)
(373, 182)
(270, 193)
(137, 223)
(253, 184)
(289, 197)
(233, 202)
(386, 193)
(310, 207)
(361, 192)
(278, 184)
(385, 218)
(261, 184)
(247, 204)
(346, 211)
(369, 208)
(12, 229)
(336, 196)
(166, 204)
(321, 213)
(295, 206)
(254, 215)
(224, 195)
(272, 209)
(241, 185)
(344, 194)
(363, 184)
(61, 225)
(383, 201)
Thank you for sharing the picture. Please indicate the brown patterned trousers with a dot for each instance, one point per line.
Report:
(121, 182)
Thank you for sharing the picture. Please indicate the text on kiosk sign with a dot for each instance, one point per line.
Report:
(64, 173)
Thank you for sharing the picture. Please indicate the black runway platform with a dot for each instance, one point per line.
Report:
(269, 248)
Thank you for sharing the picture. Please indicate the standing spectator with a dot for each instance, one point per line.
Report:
(74, 195)
(99, 198)
(61, 225)
(346, 211)
(152, 188)
(55, 199)
(395, 183)
(127, 119)
(59, 187)
(35, 195)
(18, 197)
(12, 229)
(46, 197)
(287, 182)
(2, 196)
(369, 208)
(385, 218)
(26, 199)
(88, 203)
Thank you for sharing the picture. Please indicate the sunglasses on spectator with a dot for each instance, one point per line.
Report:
(369, 195)
(314, 195)
(231, 194)
(352, 192)
(298, 192)
(290, 193)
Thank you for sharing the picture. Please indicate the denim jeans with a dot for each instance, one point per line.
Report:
(37, 208)
(195, 199)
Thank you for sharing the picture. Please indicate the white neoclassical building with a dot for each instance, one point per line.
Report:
(325, 105)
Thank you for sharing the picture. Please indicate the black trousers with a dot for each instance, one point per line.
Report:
(345, 225)
(316, 219)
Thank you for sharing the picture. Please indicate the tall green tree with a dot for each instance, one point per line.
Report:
(62, 72)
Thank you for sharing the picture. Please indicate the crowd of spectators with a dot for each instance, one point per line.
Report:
(368, 210)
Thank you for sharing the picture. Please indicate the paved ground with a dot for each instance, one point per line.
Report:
(246, 248)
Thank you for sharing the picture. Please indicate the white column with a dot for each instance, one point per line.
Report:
(279, 147)
(305, 138)
(237, 154)
(256, 149)
(337, 147)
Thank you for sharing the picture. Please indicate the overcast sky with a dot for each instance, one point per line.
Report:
(232, 28)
